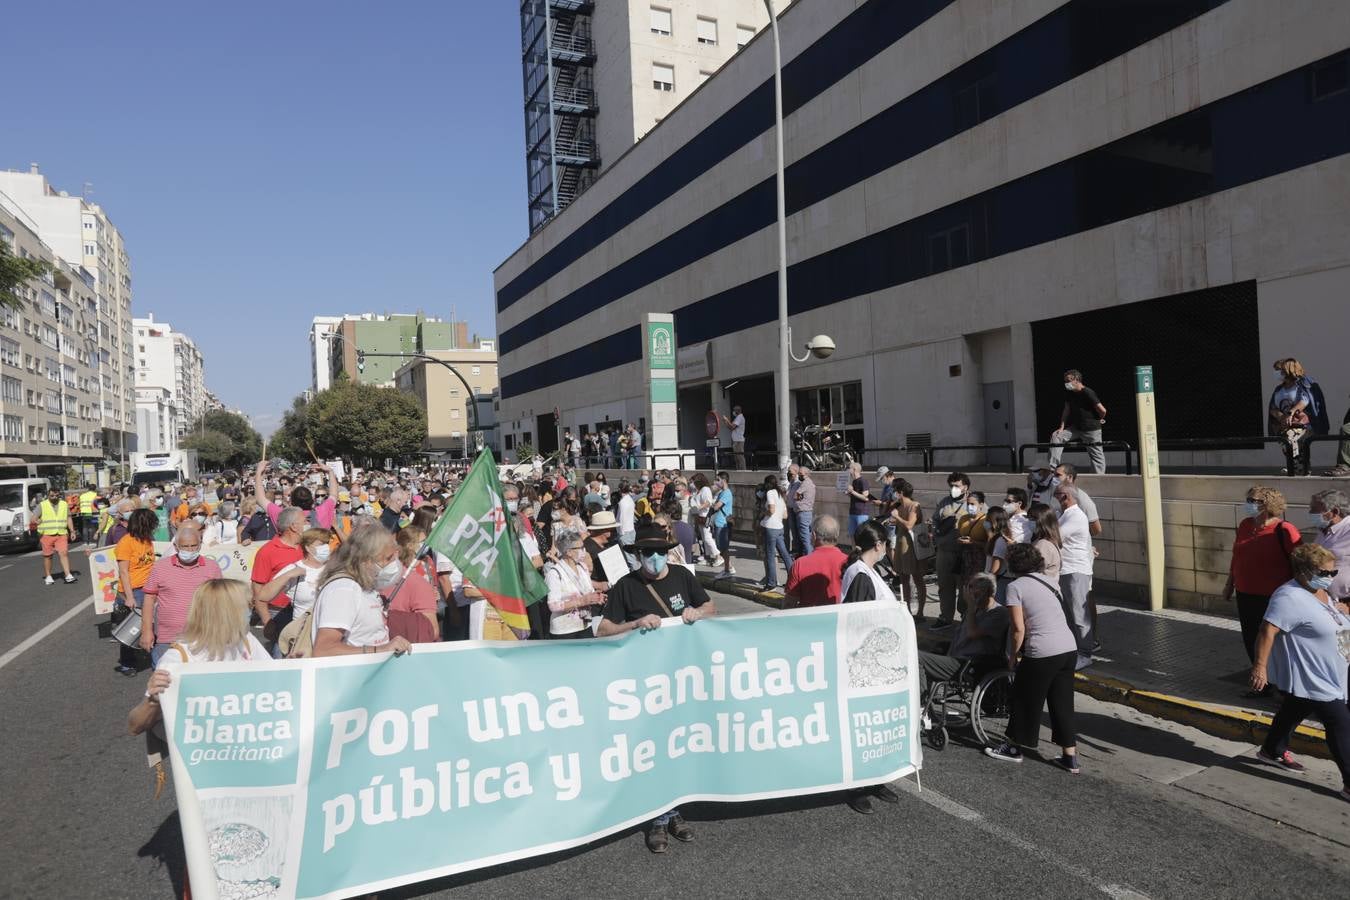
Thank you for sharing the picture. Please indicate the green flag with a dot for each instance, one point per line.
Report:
(478, 535)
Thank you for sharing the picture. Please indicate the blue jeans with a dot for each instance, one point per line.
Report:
(723, 538)
(854, 522)
(804, 519)
(158, 651)
(664, 818)
(774, 542)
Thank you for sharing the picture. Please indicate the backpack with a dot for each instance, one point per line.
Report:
(1317, 409)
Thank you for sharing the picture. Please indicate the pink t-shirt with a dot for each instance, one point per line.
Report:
(416, 595)
(173, 585)
(323, 513)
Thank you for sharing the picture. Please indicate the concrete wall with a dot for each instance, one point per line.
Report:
(1200, 518)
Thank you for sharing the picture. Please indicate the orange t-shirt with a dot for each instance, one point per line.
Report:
(140, 555)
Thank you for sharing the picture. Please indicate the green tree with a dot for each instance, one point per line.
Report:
(246, 443)
(364, 422)
(214, 449)
(14, 271)
(288, 441)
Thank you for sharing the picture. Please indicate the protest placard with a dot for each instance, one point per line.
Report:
(344, 776)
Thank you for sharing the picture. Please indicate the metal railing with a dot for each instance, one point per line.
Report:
(1241, 443)
(929, 453)
(1082, 447)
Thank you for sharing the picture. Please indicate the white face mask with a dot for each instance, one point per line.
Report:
(1068, 386)
(188, 557)
(201, 520)
(388, 575)
(957, 491)
(322, 552)
(1317, 519)
(1010, 508)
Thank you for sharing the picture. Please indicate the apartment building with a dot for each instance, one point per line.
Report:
(450, 405)
(599, 75)
(50, 356)
(80, 234)
(170, 360)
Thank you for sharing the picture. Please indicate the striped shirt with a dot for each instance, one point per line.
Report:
(174, 584)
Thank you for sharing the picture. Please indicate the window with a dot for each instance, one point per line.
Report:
(948, 249)
(454, 414)
(8, 317)
(11, 390)
(743, 35)
(53, 433)
(9, 352)
(707, 31)
(839, 406)
(476, 370)
(663, 77)
(90, 250)
(13, 428)
(48, 304)
(660, 20)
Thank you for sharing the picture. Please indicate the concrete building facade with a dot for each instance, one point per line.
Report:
(600, 75)
(321, 352)
(169, 359)
(447, 403)
(394, 333)
(980, 196)
(90, 251)
(157, 427)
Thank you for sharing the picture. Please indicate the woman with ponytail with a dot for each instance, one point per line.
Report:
(861, 580)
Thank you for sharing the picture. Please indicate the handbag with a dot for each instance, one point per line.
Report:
(922, 542)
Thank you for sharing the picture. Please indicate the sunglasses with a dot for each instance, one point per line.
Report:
(650, 551)
(1332, 574)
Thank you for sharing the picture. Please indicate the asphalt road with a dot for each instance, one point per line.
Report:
(1160, 811)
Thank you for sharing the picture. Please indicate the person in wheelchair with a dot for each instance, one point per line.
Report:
(982, 636)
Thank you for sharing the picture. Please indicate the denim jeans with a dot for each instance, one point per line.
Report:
(804, 519)
(774, 542)
(664, 819)
(854, 522)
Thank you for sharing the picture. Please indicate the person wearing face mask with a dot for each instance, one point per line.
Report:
(947, 543)
(272, 557)
(1041, 481)
(411, 602)
(154, 501)
(121, 515)
(302, 585)
(975, 535)
(169, 589)
(348, 616)
(639, 602)
(222, 527)
(56, 525)
(1303, 649)
(571, 598)
(1016, 506)
(1260, 561)
(1329, 514)
(1082, 419)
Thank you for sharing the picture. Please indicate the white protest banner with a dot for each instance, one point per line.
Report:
(350, 775)
(613, 563)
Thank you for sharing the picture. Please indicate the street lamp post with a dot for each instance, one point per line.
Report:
(784, 334)
(473, 398)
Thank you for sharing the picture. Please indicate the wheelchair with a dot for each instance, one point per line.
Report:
(980, 696)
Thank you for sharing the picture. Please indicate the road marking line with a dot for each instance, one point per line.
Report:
(966, 814)
(12, 655)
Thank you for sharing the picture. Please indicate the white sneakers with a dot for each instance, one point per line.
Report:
(49, 580)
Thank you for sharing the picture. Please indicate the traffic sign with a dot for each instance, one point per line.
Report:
(712, 423)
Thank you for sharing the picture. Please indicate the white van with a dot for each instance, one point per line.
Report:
(19, 498)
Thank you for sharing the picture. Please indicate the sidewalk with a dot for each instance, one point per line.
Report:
(1185, 667)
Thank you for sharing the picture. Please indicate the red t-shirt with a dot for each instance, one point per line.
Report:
(815, 578)
(416, 595)
(1261, 558)
(274, 556)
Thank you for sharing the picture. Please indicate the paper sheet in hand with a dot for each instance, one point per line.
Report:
(612, 561)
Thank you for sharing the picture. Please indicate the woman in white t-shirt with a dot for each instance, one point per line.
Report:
(700, 509)
(571, 597)
(217, 631)
(771, 528)
(222, 527)
(348, 615)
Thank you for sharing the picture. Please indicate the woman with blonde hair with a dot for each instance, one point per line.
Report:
(1291, 407)
(216, 631)
(348, 614)
(1302, 650)
(1260, 562)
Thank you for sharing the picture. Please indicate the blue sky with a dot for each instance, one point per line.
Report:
(271, 161)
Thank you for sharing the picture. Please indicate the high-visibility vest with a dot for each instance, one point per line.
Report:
(87, 503)
(53, 520)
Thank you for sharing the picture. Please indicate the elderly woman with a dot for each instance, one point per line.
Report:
(1329, 514)
(1290, 404)
(982, 634)
(217, 631)
(1302, 650)
(256, 524)
(1048, 652)
(348, 615)
(572, 599)
(861, 581)
(1260, 562)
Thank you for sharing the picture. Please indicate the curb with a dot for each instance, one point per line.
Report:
(1233, 725)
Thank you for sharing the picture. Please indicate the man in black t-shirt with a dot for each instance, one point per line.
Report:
(638, 602)
(1082, 420)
